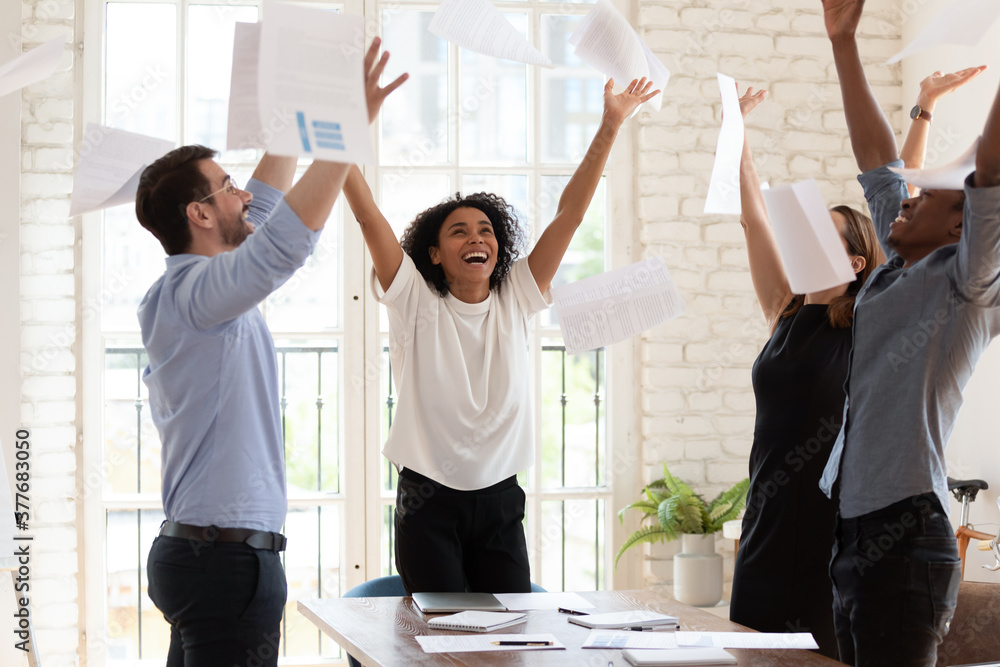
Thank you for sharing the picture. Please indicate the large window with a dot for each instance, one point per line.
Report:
(464, 122)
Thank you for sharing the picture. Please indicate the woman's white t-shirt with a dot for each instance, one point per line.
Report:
(464, 416)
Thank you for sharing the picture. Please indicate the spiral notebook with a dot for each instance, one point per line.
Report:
(476, 621)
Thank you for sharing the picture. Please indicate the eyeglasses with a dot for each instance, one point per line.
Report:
(230, 187)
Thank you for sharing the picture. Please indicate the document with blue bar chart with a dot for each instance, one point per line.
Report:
(311, 84)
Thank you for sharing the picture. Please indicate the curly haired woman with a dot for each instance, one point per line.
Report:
(460, 297)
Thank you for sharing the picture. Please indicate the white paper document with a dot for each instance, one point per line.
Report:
(626, 639)
(36, 65)
(479, 26)
(810, 246)
(110, 165)
(799, 640)
(962, 23)
(724, 188)
(476, 643)
(607, 42)
(311, 84)
(244, 129)
(613, 306)
(529, 601)
(946, 177)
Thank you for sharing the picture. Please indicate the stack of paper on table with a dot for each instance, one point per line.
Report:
(432, 603)
(684, 656)
(620, 639)
(476, 621)
(637, 618)
(790, 640)
(477, 643)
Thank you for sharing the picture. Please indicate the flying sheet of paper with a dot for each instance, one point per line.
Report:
(473, 643)
(626, 639)
(799, 640)
(479, 26)
(613, 306)
(31, 67)
(607, 42)
(810, 247)
(724, 188)
(244, 129)
(528, 601)
(110, 165)
(946, 177)
(311, 84)
(962, 23)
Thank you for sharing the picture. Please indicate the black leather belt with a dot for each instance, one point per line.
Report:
(258, 539)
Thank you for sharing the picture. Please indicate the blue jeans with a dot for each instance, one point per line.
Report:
(223, 601)
(895, 577)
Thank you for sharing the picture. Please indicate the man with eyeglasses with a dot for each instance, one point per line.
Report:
(215, 569)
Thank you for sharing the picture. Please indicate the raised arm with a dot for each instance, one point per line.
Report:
(988, 156)
(766, 270)
(548, 252)
(381, 240)
(276, 171)
(871, 135)
(932, 89)
(313, 197)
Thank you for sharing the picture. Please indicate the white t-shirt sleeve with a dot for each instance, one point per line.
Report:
(525, 289)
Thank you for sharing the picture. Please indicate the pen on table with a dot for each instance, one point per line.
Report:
(511, 643)
(572, 612)
(647, 628)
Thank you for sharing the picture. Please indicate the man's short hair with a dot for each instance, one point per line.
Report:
(166, 187)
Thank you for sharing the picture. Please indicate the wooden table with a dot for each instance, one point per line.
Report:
(381, 631)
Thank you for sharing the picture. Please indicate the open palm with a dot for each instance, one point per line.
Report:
(619, 107)
(938, 85)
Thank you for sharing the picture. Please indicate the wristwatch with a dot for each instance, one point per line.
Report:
(918, 112)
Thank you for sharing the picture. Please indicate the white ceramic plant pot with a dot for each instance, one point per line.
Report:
(698, 571)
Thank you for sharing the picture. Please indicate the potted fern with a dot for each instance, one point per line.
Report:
(680, 512)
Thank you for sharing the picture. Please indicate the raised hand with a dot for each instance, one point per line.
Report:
(374, 93)
(751, 100)
(619, 107)
(938, 85)
(842, 17)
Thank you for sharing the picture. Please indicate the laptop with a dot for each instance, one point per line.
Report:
(433, 603)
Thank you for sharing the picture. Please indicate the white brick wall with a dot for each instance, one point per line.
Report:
(49, 333)
(698, 404)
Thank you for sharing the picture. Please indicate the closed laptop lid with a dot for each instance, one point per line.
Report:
(430, 603)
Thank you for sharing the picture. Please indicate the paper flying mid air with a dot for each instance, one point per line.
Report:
(607, 42)
(478, 26)
(810, 246)
(962, 23)
(946, 177)
(310, 84)
(244, 128)
(36, 65)
(724, 188)
(111, 162)
(610, 307)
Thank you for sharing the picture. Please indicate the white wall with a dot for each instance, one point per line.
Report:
(974, 451)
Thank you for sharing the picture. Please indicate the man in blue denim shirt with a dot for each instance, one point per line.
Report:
(215, 569)
(921, 323)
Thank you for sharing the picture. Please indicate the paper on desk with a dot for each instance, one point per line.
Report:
(311, 84)
(110, 165)
(802, 640)
(724, 188)
(473, 643)
(946, 177)
(627, 639)
(962, 23)
(810, 246)
(244, 129)
(479, 26)
(613, 306)
(607, 42)
(528, 601)
(31, 67)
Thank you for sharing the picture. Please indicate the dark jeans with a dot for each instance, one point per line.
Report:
(895, 578)
(451, 541)
(223, 602)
